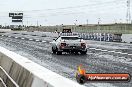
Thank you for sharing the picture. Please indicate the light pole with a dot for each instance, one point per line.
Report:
(75, 25)
(87, 21)
(99, 27)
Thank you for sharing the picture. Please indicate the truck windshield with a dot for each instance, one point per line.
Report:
(70, 38)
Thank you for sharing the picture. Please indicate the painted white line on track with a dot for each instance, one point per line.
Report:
(118, 52)
(92, 48)
(102, 85)
(16, 37)
(98, 49)
(130, 54)
(43, 41)
(104, 50)
(22, 38)
(9, 36)
(30, 39)
(2, 35)
(111, 51)
(37, 40)
(124, 53)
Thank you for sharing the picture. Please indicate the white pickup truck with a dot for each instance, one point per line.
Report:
(69, 44)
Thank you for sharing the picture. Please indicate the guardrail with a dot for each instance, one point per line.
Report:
(8, 78)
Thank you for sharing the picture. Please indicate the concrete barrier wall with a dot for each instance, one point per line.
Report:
(91, 28)
(29, 74)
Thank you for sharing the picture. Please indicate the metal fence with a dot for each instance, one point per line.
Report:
(6, 80)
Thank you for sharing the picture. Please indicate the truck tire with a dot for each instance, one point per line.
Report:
(53, 50)
(83, 52)
(58, 52)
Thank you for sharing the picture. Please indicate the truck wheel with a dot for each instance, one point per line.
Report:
(58, 52)
(53, 50)
(76, 52)
(83, 52)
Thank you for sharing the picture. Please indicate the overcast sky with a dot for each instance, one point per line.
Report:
(57, 12)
